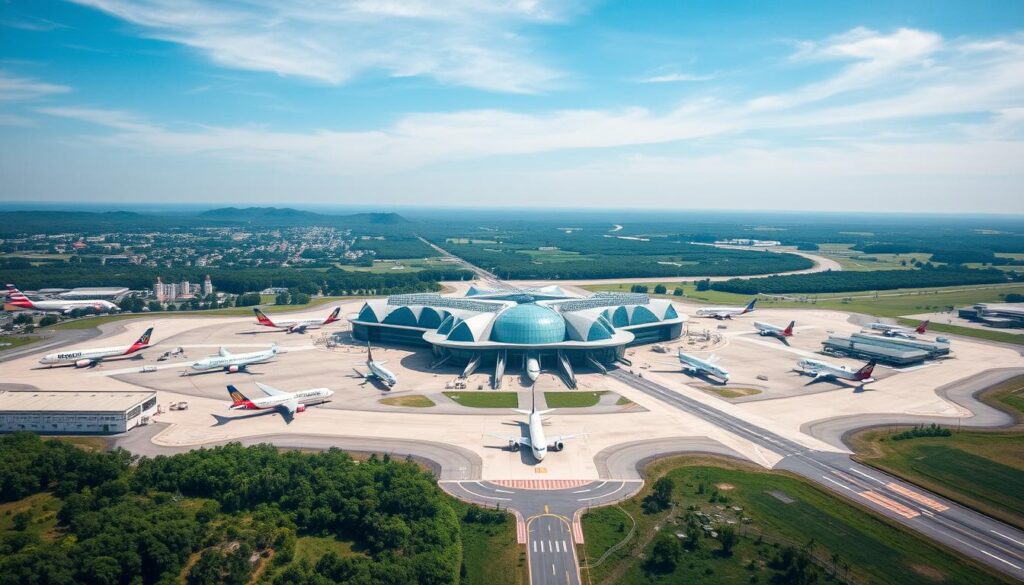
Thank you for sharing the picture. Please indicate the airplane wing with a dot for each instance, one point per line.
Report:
(270, 390)
(565, 438)
(821, 375)
(523, 441)
(299, 329)
(290, 406)
(360, 374)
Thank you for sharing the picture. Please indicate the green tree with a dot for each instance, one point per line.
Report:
(666, 552)
(728, 537)
(660, 289)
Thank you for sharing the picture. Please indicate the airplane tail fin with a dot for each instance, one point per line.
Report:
(273, 348)
(224, 352)
(18, 298)
(237, 398)
(922, 328)
(262, 318)
(333, 316)
(865, 372)
(788, 331)
(369, 351)
(750, 306)
(142, 342)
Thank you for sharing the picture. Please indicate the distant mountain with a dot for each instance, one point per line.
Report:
(289, 215)
(248, 213)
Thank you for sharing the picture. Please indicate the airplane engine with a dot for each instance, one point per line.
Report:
(301, 408)
(83, 363)
(514, 446)
(558, 446)
(233, 369)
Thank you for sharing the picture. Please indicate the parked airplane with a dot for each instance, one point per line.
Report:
(82, 358)
(897, 331)
(288, 402)
(232, 363)
(824, 370)
(376, 370)
(18, 299)
(296, 325)
(694, 364)
(726, 312)
(536, 442)
(532, 368)
(766, 329)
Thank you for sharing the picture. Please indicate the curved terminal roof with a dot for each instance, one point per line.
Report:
(528, 324)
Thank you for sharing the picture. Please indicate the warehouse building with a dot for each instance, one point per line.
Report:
(856, 348)
(935, 349)
(71, 412)
(999, 315)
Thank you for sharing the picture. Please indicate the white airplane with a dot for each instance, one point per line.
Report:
(82, 358)
(694, 364)
(537, 442)
(18, 299)
(232, 363)
(288, 402)
(824, 370)
(532, 368)
(767, 329)
(376, 370)
(897, 331)
(726, 312)
(296, 325)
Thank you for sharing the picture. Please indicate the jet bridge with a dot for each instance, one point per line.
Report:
(471, 367)
(499, 369)
(568, 374)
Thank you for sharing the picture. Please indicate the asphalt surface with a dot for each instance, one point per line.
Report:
(547, 519)
(52, 340)
(987, 541)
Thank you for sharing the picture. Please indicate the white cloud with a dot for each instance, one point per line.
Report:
(674, 78)
(459, 42)
(13, 88)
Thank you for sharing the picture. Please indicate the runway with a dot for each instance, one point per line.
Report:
(974, 535)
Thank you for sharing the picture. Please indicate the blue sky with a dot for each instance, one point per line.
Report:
(908, 106)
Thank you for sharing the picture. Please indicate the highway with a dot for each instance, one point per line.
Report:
(987, 541)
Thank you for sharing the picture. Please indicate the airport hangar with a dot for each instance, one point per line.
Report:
(501, 327)
(74, 412)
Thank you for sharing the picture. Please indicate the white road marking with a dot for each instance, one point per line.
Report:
(999, 559)
(483, 496)
(557, 547)
(565, 547)
(829, 479)
(535, 546)
(542, 546)
(859, 472)
(1007, 537)
(503, 491)
(602, 496)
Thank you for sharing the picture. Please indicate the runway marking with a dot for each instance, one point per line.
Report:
(874, 479)
(621, 485)
(535, 546)
(565, 546)
(999, 559)
(556, 547)
(829, 479)
(541, 484)
(542, 546)
(919, 498)
(504, 491)
(483, 496)
(1007, 537)
(889, 504)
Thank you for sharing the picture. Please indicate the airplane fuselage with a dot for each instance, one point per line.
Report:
(303, 397)
(538, 442)
(84, 355)
(825, 369)
(239, 361)
(532, 369)
(381, 373)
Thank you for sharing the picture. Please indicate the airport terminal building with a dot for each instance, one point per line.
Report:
(54, 412)
(502, 328)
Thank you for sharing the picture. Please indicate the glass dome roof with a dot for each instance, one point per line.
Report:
(528, 324)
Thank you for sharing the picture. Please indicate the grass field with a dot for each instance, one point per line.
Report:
(85, 443)
(42, 507)
(873, 549)
(730, 392)
(856, 261)
(485, 399)
(989, 334)
(980, 469)
(411, 400)
(399, 266)
(572, 399)
(311, 548)
(15, 341)
(490, 554)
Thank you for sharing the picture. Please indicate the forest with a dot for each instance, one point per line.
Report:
(332, 281)
(222, 515)
(827, 282)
